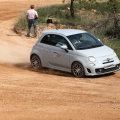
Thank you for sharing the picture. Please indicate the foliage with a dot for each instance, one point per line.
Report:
(113, 6)
(94, 17)
(113, 43)
(84, 12)
(109, 26)
(21, 23)
(72, 5)
(115, 9)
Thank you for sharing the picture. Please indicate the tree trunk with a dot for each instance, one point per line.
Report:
(72, 8)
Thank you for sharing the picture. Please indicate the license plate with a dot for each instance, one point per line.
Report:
(109, 66)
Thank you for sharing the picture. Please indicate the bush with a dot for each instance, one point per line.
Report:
(21, 23)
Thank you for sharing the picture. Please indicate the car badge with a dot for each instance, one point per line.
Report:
(108, 59)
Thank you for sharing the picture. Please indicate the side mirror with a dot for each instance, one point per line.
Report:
(64, 47)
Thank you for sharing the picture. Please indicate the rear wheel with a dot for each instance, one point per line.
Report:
(36, 62)
(78, 69)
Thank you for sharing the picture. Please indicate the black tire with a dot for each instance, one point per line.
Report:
(36, 62)
(78, 70)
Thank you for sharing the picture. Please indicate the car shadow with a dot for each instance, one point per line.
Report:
(27, 66)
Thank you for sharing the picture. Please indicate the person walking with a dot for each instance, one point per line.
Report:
(31, 17)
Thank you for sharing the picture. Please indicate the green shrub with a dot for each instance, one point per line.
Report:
(62, 13)
(113, 43)
(21, 23)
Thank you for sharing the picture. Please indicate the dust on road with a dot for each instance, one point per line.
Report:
(47, 94)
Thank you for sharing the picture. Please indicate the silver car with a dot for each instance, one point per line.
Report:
(75, 51)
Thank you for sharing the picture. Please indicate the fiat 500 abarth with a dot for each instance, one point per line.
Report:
(75, 51)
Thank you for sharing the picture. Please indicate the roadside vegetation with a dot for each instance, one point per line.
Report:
(100, 18)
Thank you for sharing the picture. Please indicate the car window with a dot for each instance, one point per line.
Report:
(84, 41)
(46, 39)
(87, 37)
(57, 40)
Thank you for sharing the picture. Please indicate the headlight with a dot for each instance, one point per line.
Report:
(91, 59)
(114, 54)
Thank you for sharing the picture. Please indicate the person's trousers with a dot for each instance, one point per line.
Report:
(30, 23)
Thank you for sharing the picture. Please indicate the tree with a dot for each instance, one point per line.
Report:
(114, 8)
(72, 5)
(72, 8)
(110, 26)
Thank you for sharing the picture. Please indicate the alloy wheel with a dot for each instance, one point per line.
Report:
(35, 62)
(78, 70)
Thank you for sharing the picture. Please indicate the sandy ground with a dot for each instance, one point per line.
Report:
(47, 94)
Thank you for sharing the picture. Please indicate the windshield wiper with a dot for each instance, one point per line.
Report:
(88, 47)
(94, 46)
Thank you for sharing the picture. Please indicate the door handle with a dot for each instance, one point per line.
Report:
(57, 54)
(46, 50)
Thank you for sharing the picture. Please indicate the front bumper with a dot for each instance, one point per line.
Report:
(93, 71)
(108, 70)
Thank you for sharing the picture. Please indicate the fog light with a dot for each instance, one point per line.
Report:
(117, 66)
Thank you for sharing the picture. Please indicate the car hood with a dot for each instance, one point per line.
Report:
(96, 52)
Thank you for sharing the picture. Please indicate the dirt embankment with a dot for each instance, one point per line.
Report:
(47, 94)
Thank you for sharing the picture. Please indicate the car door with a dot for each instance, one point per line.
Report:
(59, 58)
(45, 50)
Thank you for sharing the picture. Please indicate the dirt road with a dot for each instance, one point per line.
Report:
(47, 94)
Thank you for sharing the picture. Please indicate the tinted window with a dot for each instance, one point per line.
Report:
(57, 40)
(46, 39)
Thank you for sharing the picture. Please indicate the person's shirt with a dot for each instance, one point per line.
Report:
(31, 14)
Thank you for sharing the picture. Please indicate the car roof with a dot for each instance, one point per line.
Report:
(65, 32)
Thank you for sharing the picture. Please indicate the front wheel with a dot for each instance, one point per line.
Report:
(36, 62)
(78, 70)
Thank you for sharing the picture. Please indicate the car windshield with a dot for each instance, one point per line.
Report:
(84, 41)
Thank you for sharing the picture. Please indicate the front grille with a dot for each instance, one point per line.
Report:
(103, 70)
(108, 62)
